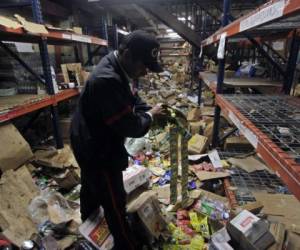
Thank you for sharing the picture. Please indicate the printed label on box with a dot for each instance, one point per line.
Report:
(81, 38)
(134, 177)
(66, 36)
(95, 230)
(244, 221)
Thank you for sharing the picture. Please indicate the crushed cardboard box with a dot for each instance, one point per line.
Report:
(30, 26)
(195, 127)
(68, 179)
(9, 23)
(194, 114)
(16, 191)
(96, 231)
(61, 158)
(16, 151)
(147, 207)
(72, 72)
(207, 175)
(283, 208)
(249, 164)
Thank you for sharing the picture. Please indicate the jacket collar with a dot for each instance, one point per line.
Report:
(116, 54)
(118, 68)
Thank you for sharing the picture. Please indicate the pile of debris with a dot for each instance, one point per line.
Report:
(184, 194)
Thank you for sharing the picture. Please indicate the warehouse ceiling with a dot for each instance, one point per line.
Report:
(132, 11)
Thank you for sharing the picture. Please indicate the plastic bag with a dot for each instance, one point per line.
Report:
(136, 145)
(52, 206)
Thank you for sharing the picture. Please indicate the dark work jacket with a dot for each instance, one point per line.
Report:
(107, 113)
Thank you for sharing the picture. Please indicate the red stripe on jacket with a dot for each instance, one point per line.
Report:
(117, 116)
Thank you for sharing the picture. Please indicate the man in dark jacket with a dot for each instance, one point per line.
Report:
(106, 114)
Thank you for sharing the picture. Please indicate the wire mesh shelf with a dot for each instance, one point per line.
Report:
(247, 183)
(276, 116)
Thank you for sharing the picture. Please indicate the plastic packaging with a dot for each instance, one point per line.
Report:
(52, 206)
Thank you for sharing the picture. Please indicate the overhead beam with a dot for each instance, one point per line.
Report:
(91, 7)
(168, 19)
(292, 63)
(145, 15)
(159, 2)
(54, 9)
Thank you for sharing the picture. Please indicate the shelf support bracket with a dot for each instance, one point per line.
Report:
(37, 15)
(91, 55)
(220, 78)
(292, 63)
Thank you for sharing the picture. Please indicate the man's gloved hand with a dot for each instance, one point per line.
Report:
(157, 110)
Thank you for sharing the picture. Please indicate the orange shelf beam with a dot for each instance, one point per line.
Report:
(38, 104)
(53, 37)
(269, 12)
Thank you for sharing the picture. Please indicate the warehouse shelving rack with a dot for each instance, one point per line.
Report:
(210, 79)
(52, 38)
(260, 117)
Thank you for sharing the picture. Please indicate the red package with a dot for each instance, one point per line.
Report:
(183, 223)
(182, 214)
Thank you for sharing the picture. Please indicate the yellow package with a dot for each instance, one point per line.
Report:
(225, 164)
(197, 243)
(166, 163)
(176, 247)
(195, 221)
(177, 233)
(204, 228)
(171, 227)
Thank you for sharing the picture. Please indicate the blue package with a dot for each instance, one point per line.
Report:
(192, 185)
(166, 178)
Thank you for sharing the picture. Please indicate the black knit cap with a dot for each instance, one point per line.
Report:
(144, 47)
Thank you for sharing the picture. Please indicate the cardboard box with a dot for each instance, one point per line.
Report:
(30, 26)
(250, 232)
(72, 72)
(95, 230)
(77, 30)
(15, 151)
(17, 190)
(197, 144)
(229, 73)
(85, 75)
(68, 179)
(65, 124)
(195, 127)
(208, 131)
(134, 177)
(194, 114)
(278, 231)
(147, 207)
(8, 23)
(237, 142)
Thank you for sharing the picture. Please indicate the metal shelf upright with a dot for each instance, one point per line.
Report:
(270, 123)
